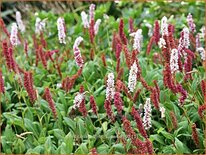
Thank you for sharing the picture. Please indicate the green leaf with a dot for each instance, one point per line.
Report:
(82, 149)
(70, 123)
(69, 139)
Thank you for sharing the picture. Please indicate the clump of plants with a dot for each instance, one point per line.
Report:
(84, 82)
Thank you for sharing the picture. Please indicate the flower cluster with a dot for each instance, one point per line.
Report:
(2, 89)
(164, 26)
(201, 51)
(91, 25)
(77, 53)
(137, 39)
(118, 103)
(82, 106)
(191, 23)
(147, 114)
(132, 135)
(61, 30)
(174, 61)
(47, 96)
(19, 22)
(85, 19)
(28, 84)
(139, 122)
(93, 104)
(195, 135)
(162, 43)
(14, 35)
(108, 108)
(39, 25)
(132, 80)
(162, 110)
(110, 90)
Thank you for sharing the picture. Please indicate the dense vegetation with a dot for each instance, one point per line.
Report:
(119, 77)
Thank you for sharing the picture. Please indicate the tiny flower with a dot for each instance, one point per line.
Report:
(164, 26)
(59, 85)
(201, 50)
(162, 43)
(191, 23)
(14, 35)
(77, 53)
(19, 22)
(105, 16)
(85, 21)
(174, 61)
(162, 110)
(110, 90)
(61, 30)
(96, 26)
(39, 25)
(147, 114)
(132, 80)
(137, 39)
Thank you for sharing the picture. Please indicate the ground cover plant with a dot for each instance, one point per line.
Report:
(107, 78)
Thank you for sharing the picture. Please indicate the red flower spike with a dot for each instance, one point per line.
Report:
(42, 56)
(48, 98)
(195, 135)
(108, 108)
(155, 98)
(26, 48)
(121, 32)
(201, 109)
(156, 33)
(93, 151)
(144, 83)
(149, 146)
(2, 89)
(149, 46)
(172, 41)
(136, 95)
(131, 25)
(139, 122)
(28, 84)
(118, 103)
(188, 68)
(174, 119)
(203, 85)
(91, 31)
(127, 56)
(2, 25)
(93, 104)
(103, 60)
(132, 135)
(92, 54)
